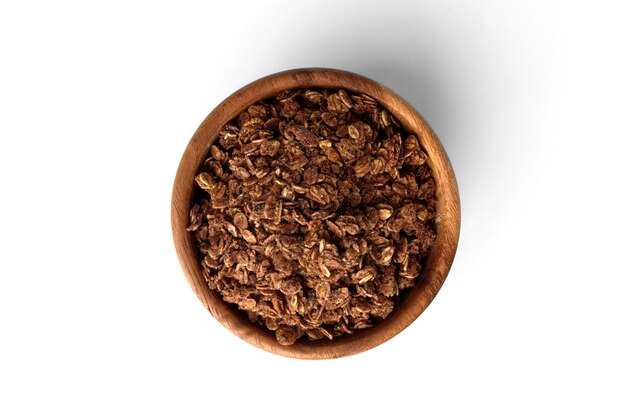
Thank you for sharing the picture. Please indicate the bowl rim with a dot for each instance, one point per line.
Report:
(438, 263)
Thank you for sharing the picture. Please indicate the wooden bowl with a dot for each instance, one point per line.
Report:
(413, 301)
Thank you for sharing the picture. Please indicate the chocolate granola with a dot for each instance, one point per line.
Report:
(317, 209)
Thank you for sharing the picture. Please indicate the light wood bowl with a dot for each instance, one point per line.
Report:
(413, 301)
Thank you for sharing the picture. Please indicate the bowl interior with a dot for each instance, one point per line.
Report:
(412, 302)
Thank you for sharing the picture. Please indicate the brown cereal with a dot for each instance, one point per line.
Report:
(315, 210)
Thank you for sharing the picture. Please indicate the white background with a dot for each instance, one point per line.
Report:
(97, 103)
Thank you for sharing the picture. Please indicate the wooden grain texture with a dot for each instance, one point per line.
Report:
(414, 301)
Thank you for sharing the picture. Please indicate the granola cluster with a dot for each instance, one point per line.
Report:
(316, 211)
